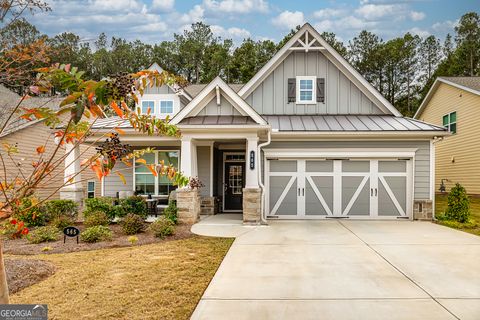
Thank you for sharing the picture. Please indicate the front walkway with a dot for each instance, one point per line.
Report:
(342, 270)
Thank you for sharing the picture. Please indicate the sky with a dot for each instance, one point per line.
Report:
(153, 21)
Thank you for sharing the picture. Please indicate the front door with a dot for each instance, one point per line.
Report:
(234, 181)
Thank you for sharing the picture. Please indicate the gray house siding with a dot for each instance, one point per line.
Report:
(224, 109)
(166, 90)
(422, 156)
(342, 96)
(113, 184)
(204, 169)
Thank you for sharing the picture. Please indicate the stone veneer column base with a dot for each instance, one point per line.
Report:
(75, 194)
(188, 204)
(251, 205)
(422, 209)
(207, 206)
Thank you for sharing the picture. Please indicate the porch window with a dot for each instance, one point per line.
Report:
(148, 105)
(91, 189)
(146, 183)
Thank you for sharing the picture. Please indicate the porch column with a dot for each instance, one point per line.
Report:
(73, 189)
(251, 175)
(188, 157)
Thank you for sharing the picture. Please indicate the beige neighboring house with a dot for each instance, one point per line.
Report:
(28, 135)
(454, 102)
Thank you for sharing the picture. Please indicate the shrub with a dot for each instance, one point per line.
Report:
(33, 217)
(104, 204)
(62, 222)
(96, 218)
(132, 224)
(13, 229)
(43, 234)
(135, 204)
(133, 240)
(61, 208)
(458, 204)
(96, 234)
(162, 227)
(171, 211)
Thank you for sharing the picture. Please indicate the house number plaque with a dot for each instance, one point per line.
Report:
(252, 159)
(70, 232)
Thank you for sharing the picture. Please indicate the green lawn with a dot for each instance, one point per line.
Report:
(473, 226)
(157, 281)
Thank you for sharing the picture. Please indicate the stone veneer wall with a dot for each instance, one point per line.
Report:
(251, 205)
(208, 206)
(423, 209)
(188, 204)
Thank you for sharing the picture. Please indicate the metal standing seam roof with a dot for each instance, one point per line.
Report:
(302, 123)
(350, 123)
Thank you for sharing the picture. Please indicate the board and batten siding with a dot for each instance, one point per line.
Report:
(204, 169)
(341, 95)
(457, 157)
(224, 109)
(422, 156)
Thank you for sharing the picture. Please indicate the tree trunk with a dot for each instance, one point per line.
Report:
(3, 278)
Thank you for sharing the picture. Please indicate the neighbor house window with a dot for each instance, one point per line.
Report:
(450, 122)
(306, 90)
(166, 106)
(148, 184)
(91, 189)
(148, 105)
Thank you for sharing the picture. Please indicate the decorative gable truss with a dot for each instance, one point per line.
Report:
(306, 42)
(216, 90)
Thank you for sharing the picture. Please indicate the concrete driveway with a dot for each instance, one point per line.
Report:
(343, 270)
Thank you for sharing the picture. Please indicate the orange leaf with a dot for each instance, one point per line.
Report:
(117, 110)
(40, 149)
(141, 161)
(151, 167)
(98, 171)
(120, 131)
(122, 177)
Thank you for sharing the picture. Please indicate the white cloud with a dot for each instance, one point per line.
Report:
(378, 11)
(420, 32)
(289, 20)
(328, 13)
(151, 27)
(445, 26)
(194, 15)
(417, 16)
(231, 33)
(236, 6)
(116, 5)
(163, 5)
(324, 25)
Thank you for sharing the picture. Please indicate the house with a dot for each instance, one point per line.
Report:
(454, 102)
(306, 138)
(28, 135)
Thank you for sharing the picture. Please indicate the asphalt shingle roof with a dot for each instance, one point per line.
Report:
(469, 82)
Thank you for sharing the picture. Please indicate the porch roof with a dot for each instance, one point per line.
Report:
(347, 123)
(218, 120)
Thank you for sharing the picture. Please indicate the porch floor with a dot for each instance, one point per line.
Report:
(222, 225)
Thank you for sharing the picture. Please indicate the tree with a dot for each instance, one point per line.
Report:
(431, 55)
(332, 40)
(14, 9)
(468, 42)
(18, 32)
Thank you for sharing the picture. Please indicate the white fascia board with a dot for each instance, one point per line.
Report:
(340, 153)
(359, 134)
(230, 95)
(352, 74)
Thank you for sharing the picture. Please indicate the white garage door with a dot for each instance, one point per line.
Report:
(310, 189)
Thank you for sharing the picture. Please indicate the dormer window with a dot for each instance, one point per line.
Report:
(148, 106)
(306, 93)
(166, 107)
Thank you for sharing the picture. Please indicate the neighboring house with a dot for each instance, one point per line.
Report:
(454, 102)
(28, 135)
(307, 132)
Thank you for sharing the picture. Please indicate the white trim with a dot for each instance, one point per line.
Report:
(366, 153)
(334, 57)
(358, 134)
(314, 89)
(212, 146)
(432, 176)
(229, 93)
(432, 90)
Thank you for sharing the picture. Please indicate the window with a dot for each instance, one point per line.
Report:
(146, 105)
(166, 106)
(450, 122)
(91, 189)
(146, 183)
(306, 90)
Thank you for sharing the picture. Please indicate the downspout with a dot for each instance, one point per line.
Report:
(260, 182)
(433, 158)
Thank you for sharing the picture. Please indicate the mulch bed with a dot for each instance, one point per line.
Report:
(22, 247)
(22, 273)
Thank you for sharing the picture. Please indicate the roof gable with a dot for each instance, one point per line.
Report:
(175, 88)
(469, 84)
(308, 39)
(212, 90)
